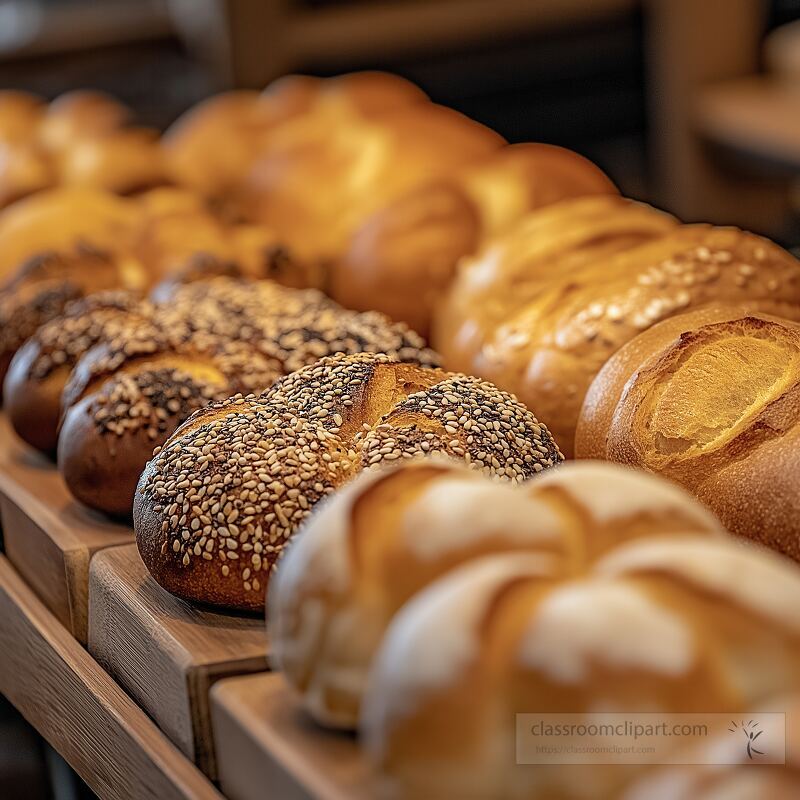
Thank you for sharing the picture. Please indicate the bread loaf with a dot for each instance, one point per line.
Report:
(540, 313)
(402, 258)
(388, 534)
(125, 397)
(40, 369)
(720, 769)
(263, 463)
(661, 625)
(710, 399)
(197, 145)
(45, 285)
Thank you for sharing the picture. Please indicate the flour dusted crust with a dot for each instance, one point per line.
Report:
(387, 535)
(659, 625)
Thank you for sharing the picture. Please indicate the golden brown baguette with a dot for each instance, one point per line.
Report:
(710, 399)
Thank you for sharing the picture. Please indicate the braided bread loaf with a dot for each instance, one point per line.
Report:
(659, 625)
(216, 506)
(544, 307)
(387, 535)
(710, 399)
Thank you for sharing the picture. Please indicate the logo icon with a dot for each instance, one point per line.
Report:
(751, 731)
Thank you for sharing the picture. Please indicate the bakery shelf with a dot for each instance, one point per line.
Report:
(167, 653)
(48, 536)
(263, 738)
(80, 711)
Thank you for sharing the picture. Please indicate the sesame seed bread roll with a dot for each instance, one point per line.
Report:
(126, 397)
(45, 285)
(388, 534)
(710, 399)
(40, 368)
(294, 327)
(402, 258)
(659, 624)
(255, 468)
(544, 328)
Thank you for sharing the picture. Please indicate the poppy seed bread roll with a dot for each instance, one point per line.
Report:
(126, 397)
(710, 399)
(41, 367)
(544, 327)
(387, 535)
(216, 506)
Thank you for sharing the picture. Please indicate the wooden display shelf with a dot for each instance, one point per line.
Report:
(267, 746)
(80, 711)
(167, 653)
(49, 536)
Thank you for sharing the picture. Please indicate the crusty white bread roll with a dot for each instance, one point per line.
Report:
(735, 779)
(401, 258)
(540, 313)
(710, 399)
(20, 115)
(387, 535)
(661, 624)
(263, 463)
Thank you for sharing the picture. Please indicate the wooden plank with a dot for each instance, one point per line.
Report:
(49, 536)
(167, 653)
(268, 747)
(80, 711)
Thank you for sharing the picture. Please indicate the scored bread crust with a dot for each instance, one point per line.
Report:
(270, 460)
(388, 534)
(710, 399)
(666, 624)
(546, 327)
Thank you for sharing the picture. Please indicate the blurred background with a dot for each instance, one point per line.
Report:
(692, 105)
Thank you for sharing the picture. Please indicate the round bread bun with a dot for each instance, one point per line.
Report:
(293, 327)
(402, 258)
(59, 220)
(126, 397)
(40, 369)
(20, 115)
(665, 625)
(45, 285)
(385, 536)
(544, 327)
(263, 463)
(125, 162)
(711, 399)
(78, 115)
(24, 170)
